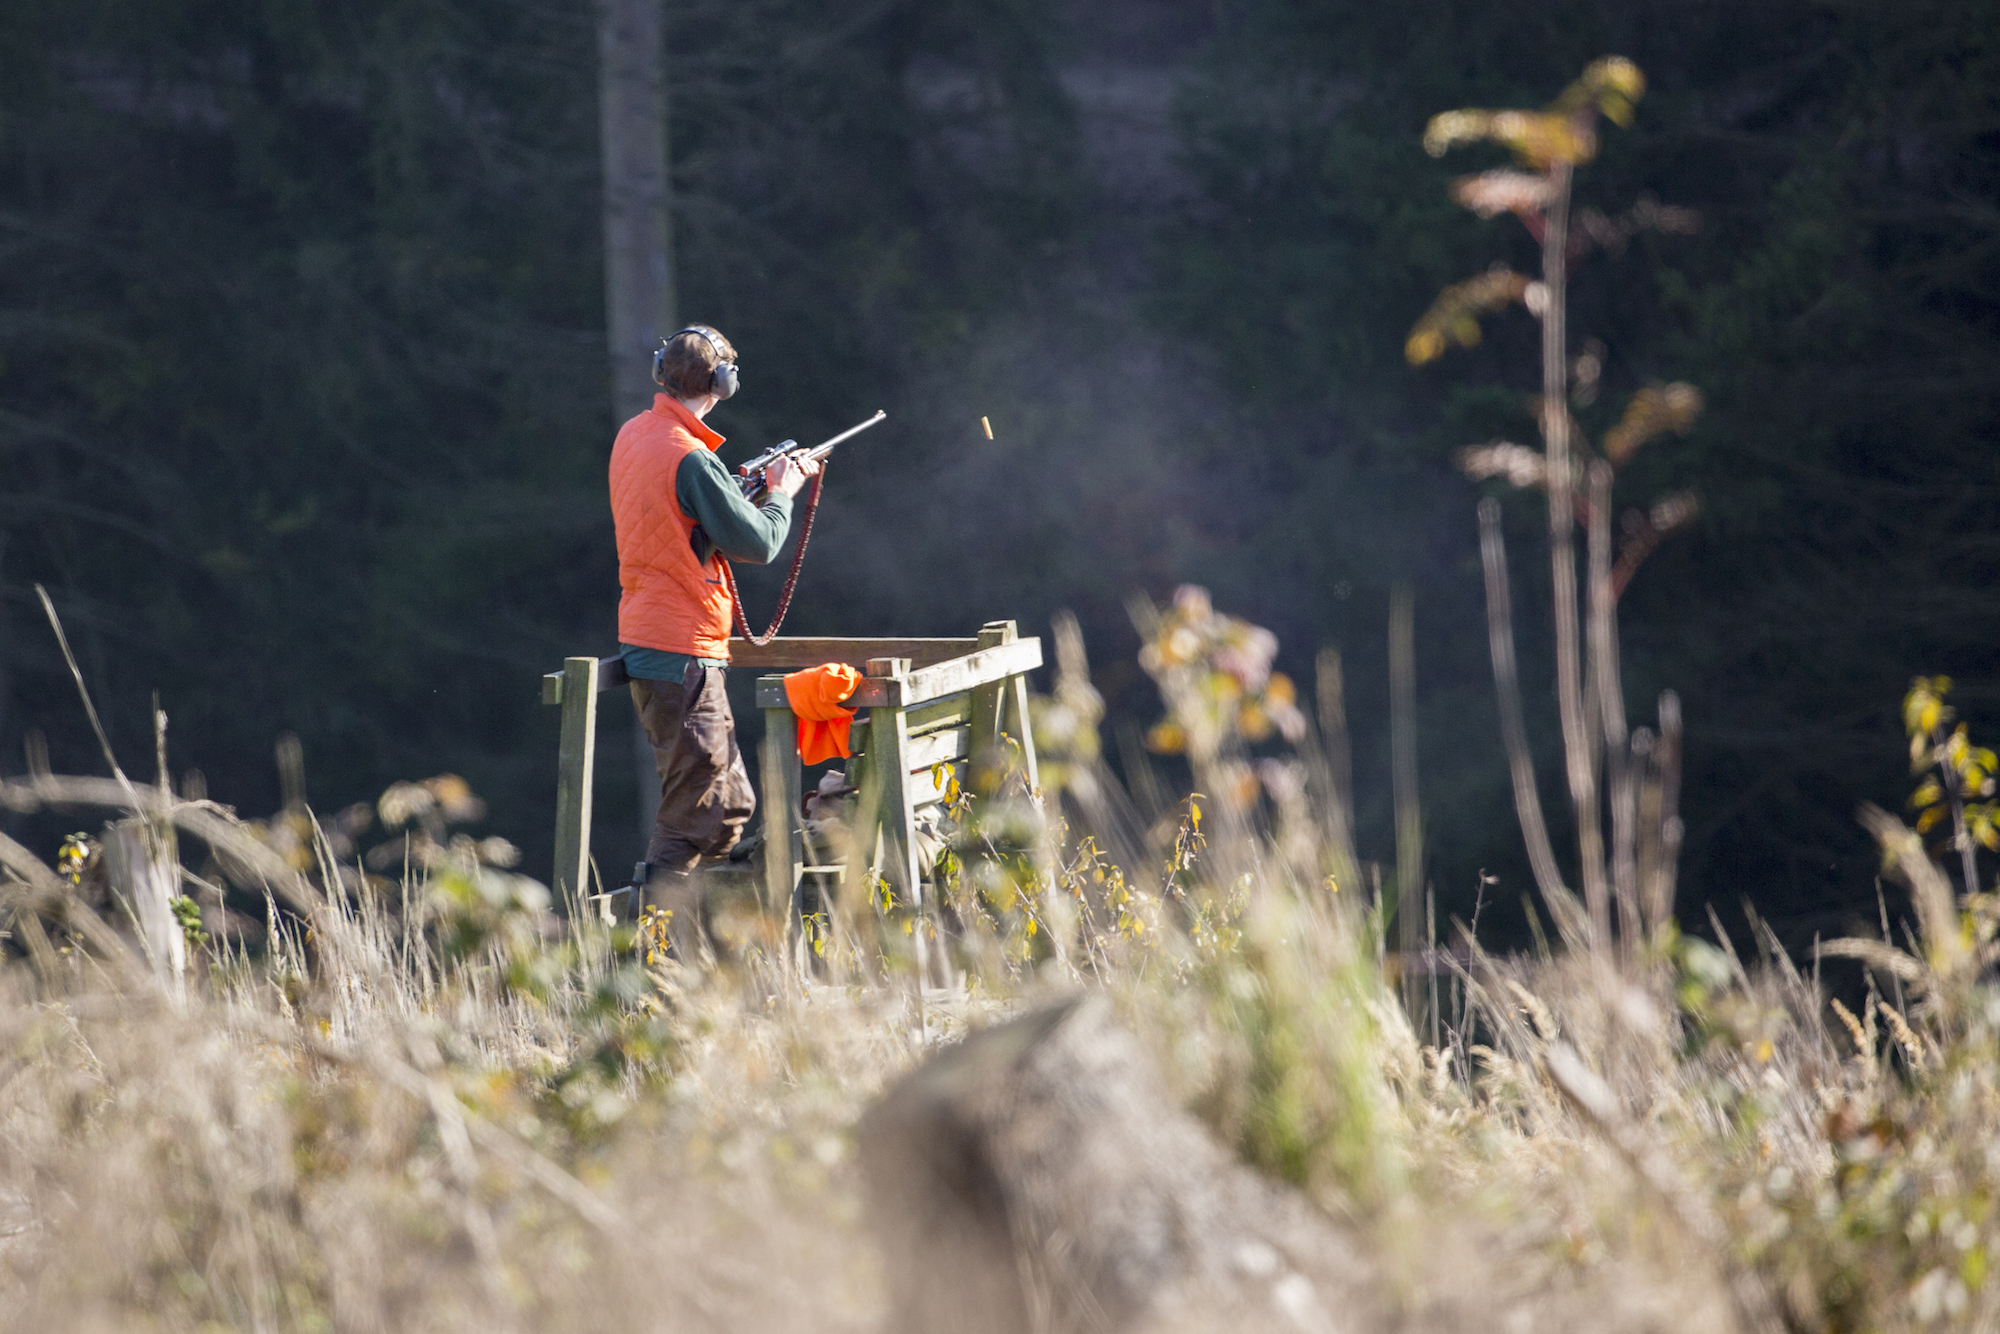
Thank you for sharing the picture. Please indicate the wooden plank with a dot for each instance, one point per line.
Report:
(953, 711)
(926, 657)
(573, 779)
(928, 786)
(791, 652)
(948, 712)
(950, 678)
(949, 744)
(611, 675)
(947, 703)
(778, 760)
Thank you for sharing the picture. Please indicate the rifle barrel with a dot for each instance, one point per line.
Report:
(825, 447)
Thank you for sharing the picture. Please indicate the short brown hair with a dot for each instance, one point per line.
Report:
(687, 366)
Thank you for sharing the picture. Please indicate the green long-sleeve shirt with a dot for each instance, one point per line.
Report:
(746, 533)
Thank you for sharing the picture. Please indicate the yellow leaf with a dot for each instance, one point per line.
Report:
(1424, 345)
(1541, 139)
(1454, 127)
(1924, 709)
(1653, 411)
(1611, 85)
(1454, 316)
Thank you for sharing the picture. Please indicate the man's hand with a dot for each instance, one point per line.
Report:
(788, 475)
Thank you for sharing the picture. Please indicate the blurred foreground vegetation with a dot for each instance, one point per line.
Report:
(425, 1102)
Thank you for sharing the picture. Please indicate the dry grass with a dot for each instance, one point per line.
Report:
(422, 1106)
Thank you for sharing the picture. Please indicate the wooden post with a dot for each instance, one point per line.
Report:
(995, 706)
(989, 705)
(1024, 729)
(145, 870)
(888, 776)
(574, 764)
(778, 763)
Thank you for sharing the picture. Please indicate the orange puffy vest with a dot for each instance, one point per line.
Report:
(671, 601)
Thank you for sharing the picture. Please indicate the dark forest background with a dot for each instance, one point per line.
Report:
(304, 407)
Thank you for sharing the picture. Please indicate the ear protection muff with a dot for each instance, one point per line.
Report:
(723, 382)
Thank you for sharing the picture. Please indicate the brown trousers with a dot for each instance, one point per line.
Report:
(705, 796)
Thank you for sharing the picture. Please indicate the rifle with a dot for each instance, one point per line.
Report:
(751, 475)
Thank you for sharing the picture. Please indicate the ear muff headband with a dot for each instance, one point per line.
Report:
(723, 381)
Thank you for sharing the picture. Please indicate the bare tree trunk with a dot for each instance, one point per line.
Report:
(1576, 725)
(638, 250)
(638, 241)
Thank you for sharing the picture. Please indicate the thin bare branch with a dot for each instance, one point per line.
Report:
(1571, 921)
(1580, 762)
(1609, 694)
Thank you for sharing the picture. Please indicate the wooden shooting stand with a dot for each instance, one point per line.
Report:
(932, 705)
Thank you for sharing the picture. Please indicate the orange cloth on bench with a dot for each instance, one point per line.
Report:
(815, 695)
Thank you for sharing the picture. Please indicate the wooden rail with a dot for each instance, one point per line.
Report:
(931, 702)
(790, 655)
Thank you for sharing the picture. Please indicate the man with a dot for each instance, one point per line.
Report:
(678, 512)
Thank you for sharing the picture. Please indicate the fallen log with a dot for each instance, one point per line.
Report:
(1038, 1177)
